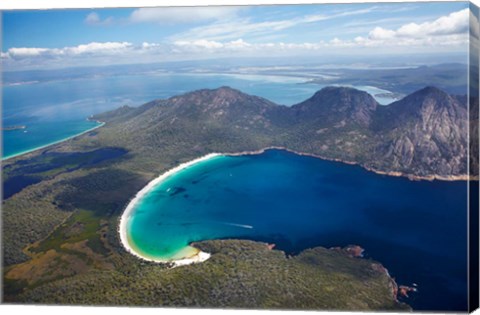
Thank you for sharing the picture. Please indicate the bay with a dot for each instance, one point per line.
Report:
(417, 229)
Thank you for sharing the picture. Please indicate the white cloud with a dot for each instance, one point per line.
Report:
(238, 44)
(215, 46)
(244, 27)
(146, 45)
(446, 32)
(321, 17)
(172, 15)
(381, 34)
(232, 29)
(222, 39)
(456, 23)
(443, 31)
(94, 19)
(98, 48)
(106, 48)
(26, 52)
(201, 43)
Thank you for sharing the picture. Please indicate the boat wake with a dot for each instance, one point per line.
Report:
(245, 226)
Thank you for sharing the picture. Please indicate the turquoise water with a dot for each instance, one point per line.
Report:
(417, 229)
(40, 134)
(56, 110)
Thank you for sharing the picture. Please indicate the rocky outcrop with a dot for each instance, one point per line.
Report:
(337, 106)
(425, 133)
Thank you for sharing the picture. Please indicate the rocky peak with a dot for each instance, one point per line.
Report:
(221, 98)
(427, 103)
(427, 127)
(425, 97)
(336, 104)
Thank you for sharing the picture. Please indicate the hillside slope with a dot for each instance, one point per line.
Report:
(424, 134)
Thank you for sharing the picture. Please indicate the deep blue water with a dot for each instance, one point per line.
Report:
(417, 229)
(55, 110)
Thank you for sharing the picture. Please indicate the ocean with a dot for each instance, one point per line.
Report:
(416, 229)
(53, 111)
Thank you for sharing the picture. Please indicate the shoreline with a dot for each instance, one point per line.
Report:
(200, 256)
(52, 143)
(127, 213)
(379, 172)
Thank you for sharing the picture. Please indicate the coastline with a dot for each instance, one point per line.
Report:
(52, 143)
(391, 173)
(199, 256)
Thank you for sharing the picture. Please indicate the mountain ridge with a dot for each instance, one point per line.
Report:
(423, 135)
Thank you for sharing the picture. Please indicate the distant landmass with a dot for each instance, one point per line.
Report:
(449, 77)
(401, 78)
(60, 220)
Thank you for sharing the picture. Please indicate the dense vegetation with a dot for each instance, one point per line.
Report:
(240, 274)
(60, 236)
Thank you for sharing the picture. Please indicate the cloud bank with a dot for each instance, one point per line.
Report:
(94, 48)
(237, 39)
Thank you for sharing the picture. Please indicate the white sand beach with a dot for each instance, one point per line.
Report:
(53, 143)
(196, 255)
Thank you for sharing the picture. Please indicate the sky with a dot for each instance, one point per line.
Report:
(45, 39)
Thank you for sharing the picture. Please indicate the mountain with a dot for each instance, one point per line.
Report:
(223, 106)
(424, 134)
(337, 105)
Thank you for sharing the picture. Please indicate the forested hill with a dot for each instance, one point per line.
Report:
(425, 134)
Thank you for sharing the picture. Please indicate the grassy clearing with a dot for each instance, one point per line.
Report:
(82, 225)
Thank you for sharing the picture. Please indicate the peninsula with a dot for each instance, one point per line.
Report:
(62, 216)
